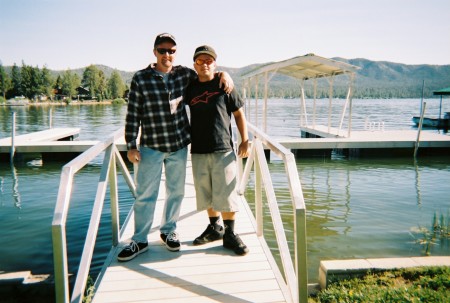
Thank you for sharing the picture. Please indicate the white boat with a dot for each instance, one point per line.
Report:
(18, 101)
(441, 123)
(438, 122)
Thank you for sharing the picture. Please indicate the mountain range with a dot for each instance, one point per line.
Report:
(375, 79)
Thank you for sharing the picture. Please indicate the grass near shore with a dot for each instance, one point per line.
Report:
(427, 284)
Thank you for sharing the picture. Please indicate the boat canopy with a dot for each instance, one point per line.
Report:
(444, 91)
(307, 67)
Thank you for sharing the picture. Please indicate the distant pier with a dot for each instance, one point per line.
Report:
(54, 144)
(322, 141)
(60, 144)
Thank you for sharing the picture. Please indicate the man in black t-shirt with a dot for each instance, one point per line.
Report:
(212, 154)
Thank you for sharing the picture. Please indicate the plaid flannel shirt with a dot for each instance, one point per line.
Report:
(157, 108)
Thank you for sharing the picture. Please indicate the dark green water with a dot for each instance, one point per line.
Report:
(358, 208)
(366, 208)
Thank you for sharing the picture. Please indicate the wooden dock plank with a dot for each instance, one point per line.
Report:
(206, 273)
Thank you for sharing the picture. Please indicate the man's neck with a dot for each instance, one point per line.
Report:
(163, 69)
(205, 78)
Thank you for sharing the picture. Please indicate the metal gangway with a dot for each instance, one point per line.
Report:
(292, 277)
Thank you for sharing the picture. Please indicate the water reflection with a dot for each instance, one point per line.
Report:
(357, 208)
(15, 187)
(419, 196)
(95, 120)
(28, 194)
(15, 181)
(361, 208)
(2, 182)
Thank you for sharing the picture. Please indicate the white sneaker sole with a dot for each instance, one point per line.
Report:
(170, 248)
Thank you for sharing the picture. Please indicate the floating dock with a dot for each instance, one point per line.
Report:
(54, 144)
(52, 134)
(59, 144)
(321, 140)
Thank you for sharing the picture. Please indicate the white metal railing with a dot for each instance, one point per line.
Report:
(108, 174)
(296, 276)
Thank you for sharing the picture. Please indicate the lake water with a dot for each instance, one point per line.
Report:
(356, 208)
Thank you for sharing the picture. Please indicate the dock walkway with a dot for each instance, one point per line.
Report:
(49, 141)
(52, 135)
(400, 140)
(207, 273)
(43, 135)
(56, 141)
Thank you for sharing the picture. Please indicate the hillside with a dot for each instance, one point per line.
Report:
(126, 76)
(398, 80)
(375, 79)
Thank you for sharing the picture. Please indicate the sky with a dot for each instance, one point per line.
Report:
(63, 34)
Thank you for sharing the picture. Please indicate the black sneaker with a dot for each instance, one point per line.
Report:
(132, 250)
(234, 242)
(209, 235)
(171, 241)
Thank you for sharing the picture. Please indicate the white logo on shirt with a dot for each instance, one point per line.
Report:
(174, 104)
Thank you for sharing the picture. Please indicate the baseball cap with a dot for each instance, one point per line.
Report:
(163, 38)
(205, 49)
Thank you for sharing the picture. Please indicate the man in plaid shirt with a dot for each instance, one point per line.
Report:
(155, 109)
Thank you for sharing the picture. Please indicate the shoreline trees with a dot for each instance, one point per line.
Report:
(38, 84)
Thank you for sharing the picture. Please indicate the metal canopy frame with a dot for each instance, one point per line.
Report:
(307, 67)
(441, 92)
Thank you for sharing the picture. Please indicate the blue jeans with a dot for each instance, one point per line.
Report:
(147, 189)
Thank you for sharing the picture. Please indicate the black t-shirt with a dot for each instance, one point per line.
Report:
(211, 110)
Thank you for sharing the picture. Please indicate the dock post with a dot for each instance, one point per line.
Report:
(13, 133)
(422, 114)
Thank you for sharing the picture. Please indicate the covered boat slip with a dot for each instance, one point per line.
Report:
(315, 139)
(303, 68)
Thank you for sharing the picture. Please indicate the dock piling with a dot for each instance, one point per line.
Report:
(13, 133)
(422, 114)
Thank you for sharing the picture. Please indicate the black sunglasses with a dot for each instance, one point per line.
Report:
(162, 51)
